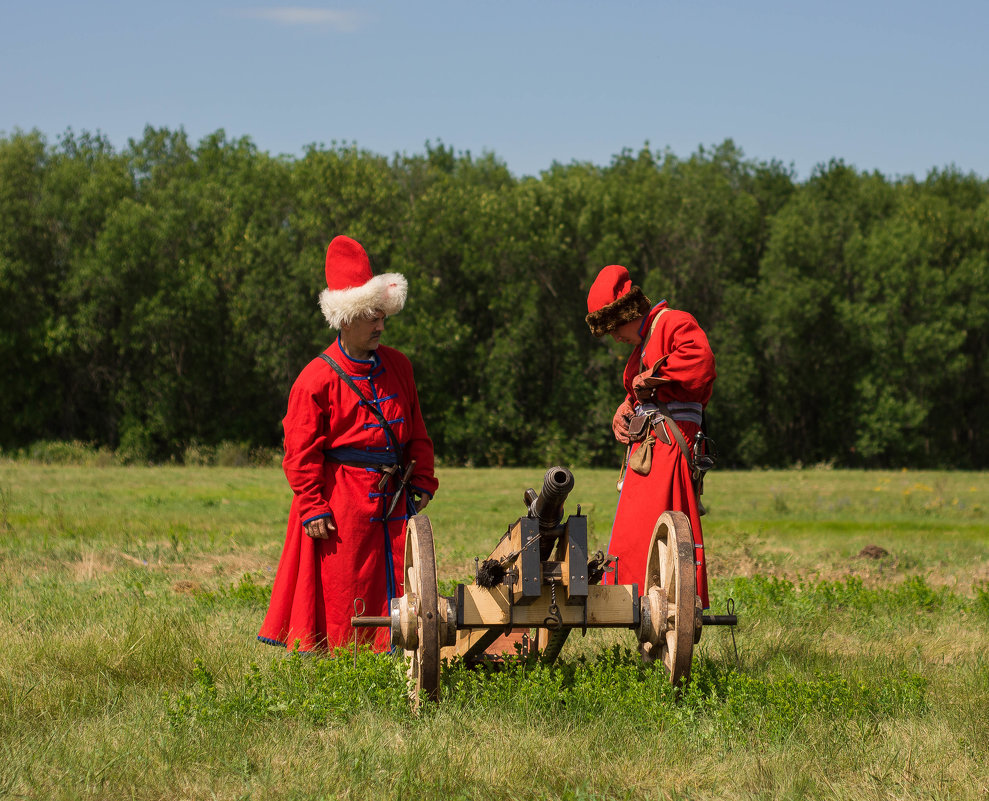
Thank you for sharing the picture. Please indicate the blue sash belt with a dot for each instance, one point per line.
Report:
(355, 457)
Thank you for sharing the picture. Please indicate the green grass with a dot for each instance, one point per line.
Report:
(130, 597)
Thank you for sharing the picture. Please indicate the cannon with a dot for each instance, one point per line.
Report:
(541, 577)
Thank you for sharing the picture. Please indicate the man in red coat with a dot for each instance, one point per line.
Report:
(670, 374)
(348, 447)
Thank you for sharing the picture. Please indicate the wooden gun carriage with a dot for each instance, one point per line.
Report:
(540, 576)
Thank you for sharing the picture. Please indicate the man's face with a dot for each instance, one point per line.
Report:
(628, 333)
(364, 333)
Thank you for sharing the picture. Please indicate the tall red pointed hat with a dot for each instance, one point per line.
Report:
(352, 290)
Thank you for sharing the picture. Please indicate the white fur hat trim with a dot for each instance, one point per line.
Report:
(386, 292)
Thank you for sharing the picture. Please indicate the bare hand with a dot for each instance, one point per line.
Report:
(421, 503)
(321, 528)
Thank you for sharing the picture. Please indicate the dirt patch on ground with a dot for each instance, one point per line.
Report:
(873, 571)
(187, 569)
(91, 565)
(740, 565)
(229, 565)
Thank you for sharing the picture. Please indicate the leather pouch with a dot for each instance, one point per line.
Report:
(638, 428)
(641, 460)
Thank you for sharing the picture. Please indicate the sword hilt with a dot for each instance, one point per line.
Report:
(401, 485)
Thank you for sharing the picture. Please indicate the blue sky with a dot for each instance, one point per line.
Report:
(900, 87)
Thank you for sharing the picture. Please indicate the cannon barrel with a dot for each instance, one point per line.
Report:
(547, 507)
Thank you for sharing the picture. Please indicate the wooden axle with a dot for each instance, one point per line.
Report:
(370, 622)
(720, 620)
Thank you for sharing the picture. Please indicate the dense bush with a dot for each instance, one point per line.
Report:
(160, 300)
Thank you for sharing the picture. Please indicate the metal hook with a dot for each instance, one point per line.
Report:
(731, 611)
(555, 620)
(359, 608)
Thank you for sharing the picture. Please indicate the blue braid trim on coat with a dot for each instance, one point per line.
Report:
(269, 641)
(378, 425)
(375, 358)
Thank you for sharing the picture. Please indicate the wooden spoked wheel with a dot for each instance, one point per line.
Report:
(669, 595)
(423, 600)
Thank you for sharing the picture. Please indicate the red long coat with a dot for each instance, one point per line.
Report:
(318, 581)
(690, 369)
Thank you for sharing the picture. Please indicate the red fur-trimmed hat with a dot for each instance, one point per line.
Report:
(613, 301)
(351, 290)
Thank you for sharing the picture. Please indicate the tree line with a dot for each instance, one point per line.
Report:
(164, 295)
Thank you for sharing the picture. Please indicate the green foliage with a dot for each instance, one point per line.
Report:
(612, 685)
(448, 587)
(786, 600)
(614, 682)
(318, 690)
(773, 708)
(981, 604)
(246, 592)
(76, 453)
(160, 300)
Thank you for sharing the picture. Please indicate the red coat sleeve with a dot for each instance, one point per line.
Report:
(306, 426)
(690, 362)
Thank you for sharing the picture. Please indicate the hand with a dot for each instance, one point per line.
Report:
(620, 423)
(421, 503)
(321, 528)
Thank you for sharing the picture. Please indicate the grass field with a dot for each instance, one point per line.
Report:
(130, 597)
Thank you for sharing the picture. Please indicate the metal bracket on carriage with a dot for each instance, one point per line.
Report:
(553, 620)
(552, 571)
(598, 566)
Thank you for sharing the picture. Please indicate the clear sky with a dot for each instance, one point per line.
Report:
(896, 86)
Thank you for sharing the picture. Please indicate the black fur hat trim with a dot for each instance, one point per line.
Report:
(630, 306)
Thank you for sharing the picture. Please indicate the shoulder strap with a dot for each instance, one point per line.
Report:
(674, 428)
(374, 409)
(652, 328)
